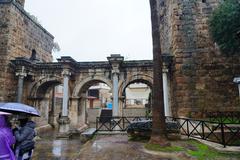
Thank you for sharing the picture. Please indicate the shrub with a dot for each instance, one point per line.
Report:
(224, 26)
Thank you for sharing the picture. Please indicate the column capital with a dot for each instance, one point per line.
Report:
(66, 73)
(115, 61)
(236, 80)
(166, 61)
(21, 72)
(164, 68)
(115, 71)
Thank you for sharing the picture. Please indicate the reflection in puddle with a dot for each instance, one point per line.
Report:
(57, 148)
(50, 148)
(96, 146)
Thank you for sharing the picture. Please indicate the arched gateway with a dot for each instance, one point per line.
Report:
(40, 79)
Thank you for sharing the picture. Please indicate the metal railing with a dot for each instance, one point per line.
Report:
(222, 133)
(117, 123)
(224, 117)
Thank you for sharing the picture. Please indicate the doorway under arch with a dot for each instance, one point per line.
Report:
(46, 95)
(94, 95)
(137, 98)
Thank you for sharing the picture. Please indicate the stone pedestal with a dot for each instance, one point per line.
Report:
(64, 127)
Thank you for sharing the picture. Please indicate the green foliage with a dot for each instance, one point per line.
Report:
(202, 152)
(139, 139)
(156, 147)
(194, 149)
(224, 25)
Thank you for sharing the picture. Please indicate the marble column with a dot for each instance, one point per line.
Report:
(115, 95)
(115, 61)
(64, 120)
(21, 74)
(167, 108)
(66, 75)
(167, 60)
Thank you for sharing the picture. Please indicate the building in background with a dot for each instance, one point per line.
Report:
(137, 95)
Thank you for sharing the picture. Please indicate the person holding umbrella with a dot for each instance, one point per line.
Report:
(24, 135)
(6, 138)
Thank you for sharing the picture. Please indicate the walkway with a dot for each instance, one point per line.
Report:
(50, 148)
(118, 147)
(114, 147)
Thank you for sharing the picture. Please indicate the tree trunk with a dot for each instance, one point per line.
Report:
(159, 126)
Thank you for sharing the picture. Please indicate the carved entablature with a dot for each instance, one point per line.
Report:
(22, 66)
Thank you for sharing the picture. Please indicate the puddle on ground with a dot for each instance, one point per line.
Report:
(50, 148)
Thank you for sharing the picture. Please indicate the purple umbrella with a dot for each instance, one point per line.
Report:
(17, 108)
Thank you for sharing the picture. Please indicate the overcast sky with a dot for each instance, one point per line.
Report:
(91, 30)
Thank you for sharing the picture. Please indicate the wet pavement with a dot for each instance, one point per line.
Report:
(106, 147)
(102, 147)
(115, 147)
(50, 148)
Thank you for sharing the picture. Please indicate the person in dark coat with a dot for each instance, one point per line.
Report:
(24, 136)
(6, 139)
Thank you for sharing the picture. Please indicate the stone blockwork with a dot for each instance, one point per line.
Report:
(201, 76)
(20, 35)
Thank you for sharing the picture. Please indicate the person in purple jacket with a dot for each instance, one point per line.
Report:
(6, 139)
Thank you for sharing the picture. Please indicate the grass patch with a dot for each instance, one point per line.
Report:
(194, 149)
(202, 151)
(157, 147)
(139, 139)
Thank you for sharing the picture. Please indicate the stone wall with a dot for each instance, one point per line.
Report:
(19, 36)
(201, 76)
(92, 114)
(132, 112)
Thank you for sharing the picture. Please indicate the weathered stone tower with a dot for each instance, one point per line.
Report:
(201, 76)
(20, 36)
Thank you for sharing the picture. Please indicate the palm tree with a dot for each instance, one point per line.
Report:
(159, 126)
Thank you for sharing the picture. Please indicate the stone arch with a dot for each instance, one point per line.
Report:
(78, 102)
(39, 97)
(143, 78)
(40, 87)
(87, 82)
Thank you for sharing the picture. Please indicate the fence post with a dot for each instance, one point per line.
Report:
(223, 135)
(110, 123)
(188, 129)
(203, 134)
(123, 124)
(96, 123)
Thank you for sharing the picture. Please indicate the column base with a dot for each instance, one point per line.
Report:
(63, 135)
(64, 128)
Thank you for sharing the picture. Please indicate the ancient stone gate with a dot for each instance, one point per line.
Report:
(36, 81)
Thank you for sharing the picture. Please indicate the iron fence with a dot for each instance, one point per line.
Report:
(117, 123)
(224, 117)
(213, 131)
(222, 133)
